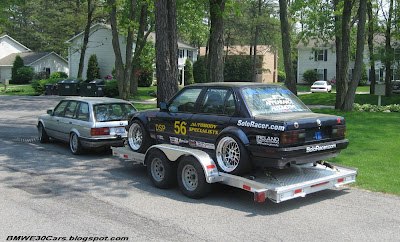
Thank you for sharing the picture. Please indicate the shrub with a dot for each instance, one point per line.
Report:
(364, 76)
(111, 88)
(18, 63)
(188, 72)
(281, 76)
(40, 85)
(145, 78)
(24, 75)
(375, 108)
(93, 70)
(310, 76)
(237, 68)
(59, 74)
(200, 71)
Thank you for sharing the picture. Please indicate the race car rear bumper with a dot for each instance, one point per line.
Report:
(284, 157)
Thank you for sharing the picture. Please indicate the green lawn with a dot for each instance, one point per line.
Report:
(329, 99)
(143, 93)
(17, 90)
(374, 149)
(140, 106)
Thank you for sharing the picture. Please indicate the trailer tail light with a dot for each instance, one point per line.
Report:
(339, 131)
(292, 137)
(259, 197)
(99, 131)
(340, 180)
(298, 191)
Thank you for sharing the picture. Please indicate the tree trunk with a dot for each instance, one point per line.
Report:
(286, 46)
(351, 92)
(254, 64)
(372, 77)
(216, 52)
(86, 37)
(338, 39)
(166, 49)
(388, 54)
(342, 85)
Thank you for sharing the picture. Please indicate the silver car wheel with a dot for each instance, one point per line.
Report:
(228, 154)
(157, 169)
(74, 143)
(135, 136)
(189, 178)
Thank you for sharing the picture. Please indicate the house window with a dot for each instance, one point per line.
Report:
(190, 55)
(321, 55)
(321, 74)
(180, 53)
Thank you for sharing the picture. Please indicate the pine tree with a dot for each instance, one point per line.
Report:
(18, 63)
(93, 69)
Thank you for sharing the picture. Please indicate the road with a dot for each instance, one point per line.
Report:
(47, 191)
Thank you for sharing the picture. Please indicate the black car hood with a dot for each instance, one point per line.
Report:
(293, 116)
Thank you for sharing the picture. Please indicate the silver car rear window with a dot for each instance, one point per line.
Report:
(112, 111)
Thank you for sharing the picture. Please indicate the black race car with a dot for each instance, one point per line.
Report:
(241, 126)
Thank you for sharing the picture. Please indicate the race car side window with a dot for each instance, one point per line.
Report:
(185, 101)
(59, 110)
(213, 101)
(230, 106)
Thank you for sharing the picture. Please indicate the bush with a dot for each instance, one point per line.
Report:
(237, 69)
(24, 75)
(18, 63)
(40, 85)
(188, 72)
(93, 70)
(59, 74)
(111, 88)
(310, 76)
(200, 71)
(281, 76)
(375, 108)
(145, 78)
(364, 76)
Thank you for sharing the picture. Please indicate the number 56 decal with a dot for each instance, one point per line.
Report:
(180, 127)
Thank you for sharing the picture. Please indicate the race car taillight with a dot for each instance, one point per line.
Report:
(100, 131)
(291, 137)
(339, 131)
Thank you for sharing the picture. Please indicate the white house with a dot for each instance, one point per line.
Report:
(322, 57)
(40, 61)
(100, 44)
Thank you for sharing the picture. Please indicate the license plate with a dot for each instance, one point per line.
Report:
(119, 130)
(318, 135)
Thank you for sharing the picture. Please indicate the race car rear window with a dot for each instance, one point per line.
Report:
(267, 100)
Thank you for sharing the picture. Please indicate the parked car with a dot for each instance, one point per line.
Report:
(241, 126)
(86, 122)
(321, 86)
(396, 86)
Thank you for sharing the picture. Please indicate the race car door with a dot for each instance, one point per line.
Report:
(172, 125)
(215, 111)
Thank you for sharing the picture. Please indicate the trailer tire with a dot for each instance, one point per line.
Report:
(191, 178)
(138, 137)
(231, 155)
(161, 171)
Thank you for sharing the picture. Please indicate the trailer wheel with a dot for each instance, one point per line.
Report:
(161, 171)
(232, 156)
(138, 137)
(191, 178)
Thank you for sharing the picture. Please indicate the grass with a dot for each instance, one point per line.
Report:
(329, 99)
(141, 106)
(374, 149)
(17, 90)
(143, 93)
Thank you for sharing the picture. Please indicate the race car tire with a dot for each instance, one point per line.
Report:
(231, 155)
(138, 137)
(161, 171)
(43, 137)
(191, 178)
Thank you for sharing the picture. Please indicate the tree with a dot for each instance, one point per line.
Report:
(215, 61)
(200, 71)
(18, 63)
(371, 32)
(351, 92)
(286, 46)
(166, 49)
(93, 70)
(188, 73)
(388, 52)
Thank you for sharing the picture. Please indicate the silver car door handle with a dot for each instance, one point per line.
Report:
(70, 122)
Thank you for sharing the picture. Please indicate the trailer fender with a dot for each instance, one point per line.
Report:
(173, 153)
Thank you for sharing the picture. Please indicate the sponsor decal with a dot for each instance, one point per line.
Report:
(160, 137)
(320, 148)
(267, 140)
(254, 124)
(296, 125)
(200, 144)
(203, 128)
(278, 103)
(319, 122)
(177, 141)
(339, 121)
(160, 127)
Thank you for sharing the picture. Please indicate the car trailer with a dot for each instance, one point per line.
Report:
(196, 171)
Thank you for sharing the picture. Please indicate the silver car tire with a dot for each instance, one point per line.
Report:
(75, 144)
(43, 137)
(231, 155)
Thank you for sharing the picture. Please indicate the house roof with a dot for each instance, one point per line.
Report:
(151, 37)
(241, 50)
(28, 57)
(18, 43)
(379, 40)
